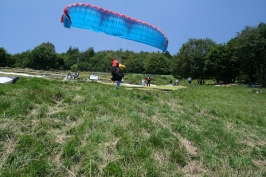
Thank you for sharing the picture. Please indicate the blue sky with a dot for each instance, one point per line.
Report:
(26, 24)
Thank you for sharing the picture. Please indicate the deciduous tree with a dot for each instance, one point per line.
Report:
(4, 57)
(251, 49)
(44, 57)
(190, 61)
(157, 63)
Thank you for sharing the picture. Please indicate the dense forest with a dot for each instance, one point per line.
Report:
(242, 58)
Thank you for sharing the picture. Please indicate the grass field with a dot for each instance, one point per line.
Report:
(53, 128)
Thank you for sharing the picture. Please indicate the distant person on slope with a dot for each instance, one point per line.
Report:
(149, 80)
(176, 82)
(189, 80)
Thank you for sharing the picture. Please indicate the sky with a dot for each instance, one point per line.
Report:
(25, 24)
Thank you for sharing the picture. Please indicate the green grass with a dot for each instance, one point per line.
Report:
(53, 128)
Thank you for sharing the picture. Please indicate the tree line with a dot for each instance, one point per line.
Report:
(242, 58)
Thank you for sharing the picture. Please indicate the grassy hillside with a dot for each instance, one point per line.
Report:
(53, 128)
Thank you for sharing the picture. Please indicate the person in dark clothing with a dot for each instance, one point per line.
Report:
(149, 81)
(119, 77)
(115, 66)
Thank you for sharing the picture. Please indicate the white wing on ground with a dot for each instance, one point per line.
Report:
(8, 80)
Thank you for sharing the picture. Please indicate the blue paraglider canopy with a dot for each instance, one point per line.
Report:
(87, 16)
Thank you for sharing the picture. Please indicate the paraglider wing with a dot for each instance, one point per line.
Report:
(8, 80)
(87, 16)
